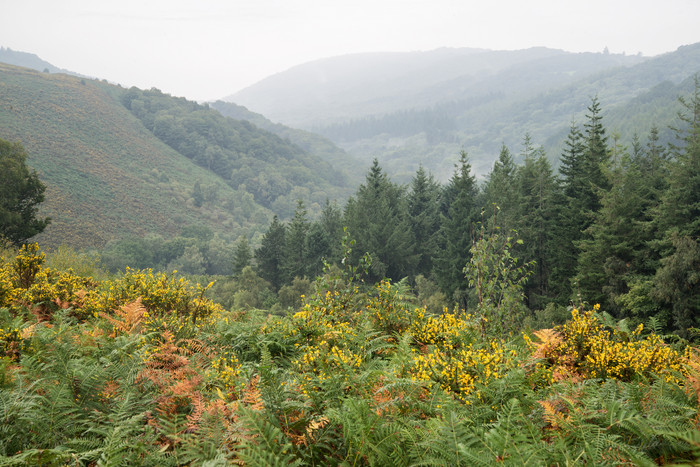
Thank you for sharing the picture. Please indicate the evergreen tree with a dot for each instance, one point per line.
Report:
(270, 255)
(570, 220)
(424, 218)
(677, 281)
(295, 251)
(535, 222)
(324, 239)
(456, 231)
(377, 220)
(197, 195)
(595, 161)
(500, 190)
(242, 256)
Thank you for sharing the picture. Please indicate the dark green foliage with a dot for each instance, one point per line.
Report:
(500, 190)
(323, 242)
(242, 256)
(424, 218)
(378, 220)
(269, 257)
(21, 192)
(296, 251)
(460, 212)
(537, 212)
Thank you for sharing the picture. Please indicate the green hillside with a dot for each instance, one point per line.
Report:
(310, 142)
(109, 176)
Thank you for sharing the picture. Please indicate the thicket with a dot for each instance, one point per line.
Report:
(143, 369)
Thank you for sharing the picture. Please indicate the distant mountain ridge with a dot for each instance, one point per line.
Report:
(29, 60)
(349, 86)
(424, 112)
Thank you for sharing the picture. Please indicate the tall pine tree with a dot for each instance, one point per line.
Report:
(270, 255)
(424, 218)
(455, 238)
(377, 219)
(295, 249)
(500, 191)
(537, 189)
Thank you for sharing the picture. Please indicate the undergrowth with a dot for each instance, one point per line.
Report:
(142, 369)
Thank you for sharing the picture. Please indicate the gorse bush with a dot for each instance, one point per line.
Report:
(142, 369)
(583, 348)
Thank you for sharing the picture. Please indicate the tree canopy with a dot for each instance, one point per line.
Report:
(21, 192)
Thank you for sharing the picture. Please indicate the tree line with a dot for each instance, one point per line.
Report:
(614, 225)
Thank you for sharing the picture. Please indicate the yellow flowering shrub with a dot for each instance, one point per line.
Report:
(388, 309)
(160, 293)
(460, 371)
(52, 288)
(584, 348)
(8, 291)
(451, 355)
(27, 264)
(24, 281)
(12, 342)
(452, 329)
(226, 370)
(324, 362)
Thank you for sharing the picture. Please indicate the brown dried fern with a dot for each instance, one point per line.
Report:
(549, 341)
(127, 319)
(252, 396)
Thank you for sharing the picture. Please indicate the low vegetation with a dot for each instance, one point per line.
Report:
(141, 368)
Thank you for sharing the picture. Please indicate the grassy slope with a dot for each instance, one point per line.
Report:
(106, 175)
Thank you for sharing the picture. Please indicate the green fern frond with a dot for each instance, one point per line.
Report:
(267, 446)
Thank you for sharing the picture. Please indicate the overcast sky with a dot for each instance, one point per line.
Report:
(208, 49)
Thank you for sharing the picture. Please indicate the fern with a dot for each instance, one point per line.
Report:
(268, 445)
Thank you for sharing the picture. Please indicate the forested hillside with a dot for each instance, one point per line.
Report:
(311, 142)
(490, 99)
(126, 163)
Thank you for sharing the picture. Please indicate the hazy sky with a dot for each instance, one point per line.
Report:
(207, 49)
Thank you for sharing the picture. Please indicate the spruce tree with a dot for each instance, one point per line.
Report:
(677, 281)
(377, 219)
(424, 218)
(455, 238)
(242, 255)
(570, 220)
(535, 222)
(270, 255)
(295, 250)
(500, 191)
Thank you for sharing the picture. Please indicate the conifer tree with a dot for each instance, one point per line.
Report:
(270, 255)
(295, 250)
(242, 256)
(677, 281)
(377, 219)
(424, 218)
(500, 190)
(535, 221)
(596, 159)
(570, 221)
(324, 239)
(456, 232)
